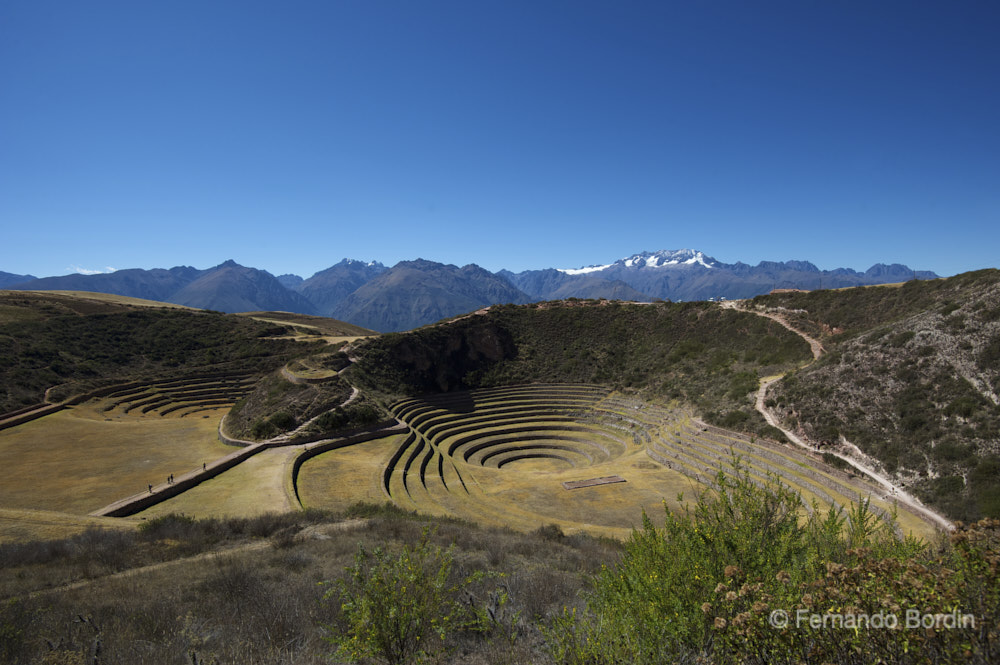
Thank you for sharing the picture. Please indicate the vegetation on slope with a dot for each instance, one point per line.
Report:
(695, 352)
(76, 344)
(912, 378)
(704, 587)
(740, 578)
(278, 405)
(838, 313)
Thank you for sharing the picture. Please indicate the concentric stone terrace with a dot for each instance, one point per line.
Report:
(525, 455)
(460, 446)
(181, 396)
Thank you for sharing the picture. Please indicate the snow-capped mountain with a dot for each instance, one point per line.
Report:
(660, 259)
(690, 274)
(414, 293)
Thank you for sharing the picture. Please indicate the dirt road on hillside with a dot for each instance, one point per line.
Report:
(854, 455)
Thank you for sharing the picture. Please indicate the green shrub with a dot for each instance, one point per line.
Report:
(400, 609)
(660, 603)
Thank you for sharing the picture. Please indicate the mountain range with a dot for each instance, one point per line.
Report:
(414, 293)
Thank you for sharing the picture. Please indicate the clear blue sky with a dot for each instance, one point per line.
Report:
(513, 134)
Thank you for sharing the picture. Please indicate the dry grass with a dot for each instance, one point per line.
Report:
(253, 487)
(20, 525)
(109, 298)
(321, 324)
(532, 494)
(340, 478)
(527, 493)
(254, 603)
(82, 459)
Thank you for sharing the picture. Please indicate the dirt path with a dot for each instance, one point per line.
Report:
(301, 428)
(814, 344)
(319, 532)
(80, 584)
(852, 454)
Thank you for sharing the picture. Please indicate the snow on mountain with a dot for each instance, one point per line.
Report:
(660, 259)
(583, 271)
(668, 257)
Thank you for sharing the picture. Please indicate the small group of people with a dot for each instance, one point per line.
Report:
(170, 481)
(170, 478)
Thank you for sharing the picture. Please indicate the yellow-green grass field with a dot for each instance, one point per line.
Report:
(499, 457)
(82, 459)
(260, 484)
(533, 491)
(103, 298)
(19, 525)
(339, 478)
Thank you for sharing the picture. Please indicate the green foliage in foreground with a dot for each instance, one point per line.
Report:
(701, 588)
(738, 577)
(401, 608)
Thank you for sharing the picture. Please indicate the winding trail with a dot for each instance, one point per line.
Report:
(853, 455)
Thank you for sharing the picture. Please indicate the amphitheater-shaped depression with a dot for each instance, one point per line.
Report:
(505, 427)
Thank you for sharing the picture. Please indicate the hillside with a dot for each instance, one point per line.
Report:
(310, 587)
(57, 345)
(912, 378)
(566, 391)
(315, 324)
(694, 352)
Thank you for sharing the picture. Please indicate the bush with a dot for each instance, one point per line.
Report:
(400, 609)
(662, 603)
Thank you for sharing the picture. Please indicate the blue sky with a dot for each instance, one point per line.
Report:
(289, 135)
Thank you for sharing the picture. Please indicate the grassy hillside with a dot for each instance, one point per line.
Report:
(912, 378)
(71, 344)
(381, 585)
(695, 352)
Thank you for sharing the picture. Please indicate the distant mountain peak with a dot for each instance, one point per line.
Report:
(660, 259)
(356, 262)
(668, 257)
